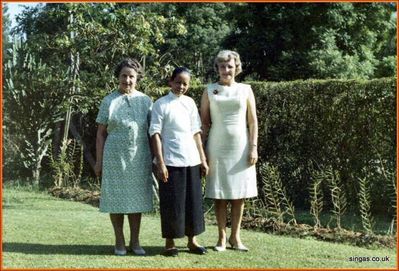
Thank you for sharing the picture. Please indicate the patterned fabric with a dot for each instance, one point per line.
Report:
(126, 185)
(230, 174)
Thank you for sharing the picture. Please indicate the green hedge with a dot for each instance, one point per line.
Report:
(349, 125)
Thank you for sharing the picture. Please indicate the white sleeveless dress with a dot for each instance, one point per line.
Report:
(230, 174)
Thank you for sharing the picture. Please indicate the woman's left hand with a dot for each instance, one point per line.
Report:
(253, 156)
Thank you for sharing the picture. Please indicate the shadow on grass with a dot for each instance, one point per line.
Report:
(47, 249)
(17, 206)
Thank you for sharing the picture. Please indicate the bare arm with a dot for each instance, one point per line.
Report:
(205, 115)
(100, 141)
(156, 144)
(204, 164)
(253, 129)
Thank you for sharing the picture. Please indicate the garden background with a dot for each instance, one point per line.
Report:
(323, 74)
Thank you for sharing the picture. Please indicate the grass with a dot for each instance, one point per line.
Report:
(381, 225)
(44, 232)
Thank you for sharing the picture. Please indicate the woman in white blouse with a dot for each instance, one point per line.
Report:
(180, 160)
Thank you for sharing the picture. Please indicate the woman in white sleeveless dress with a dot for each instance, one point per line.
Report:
(228, 113)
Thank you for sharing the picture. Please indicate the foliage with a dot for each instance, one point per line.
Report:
(102, 35)
(338, 197)
(335, 40)
(305, 231)
(206, 25)
(389, 175)
(68, 166)
(6, 44)
(273, 204)
(286, 41)
(32, 104)
(365, 203)
(316, 196)
(274, 194)
(164, 35)
(344, 124)
(255, 207)
(95, 37)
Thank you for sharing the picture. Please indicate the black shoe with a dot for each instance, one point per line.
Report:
(171, 252)
(198, 250)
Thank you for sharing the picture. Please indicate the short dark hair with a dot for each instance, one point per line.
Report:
(178, 71)
(128, 62)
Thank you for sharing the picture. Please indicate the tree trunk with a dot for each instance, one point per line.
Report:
(57, 139)
(88, 156)
(36, 174)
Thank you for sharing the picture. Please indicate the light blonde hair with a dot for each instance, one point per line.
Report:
(226, 55)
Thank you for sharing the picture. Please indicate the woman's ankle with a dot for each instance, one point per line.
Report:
(169, 243)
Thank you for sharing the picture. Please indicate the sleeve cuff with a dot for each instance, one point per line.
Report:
(153, 131)
(197, 131)
(101, 121)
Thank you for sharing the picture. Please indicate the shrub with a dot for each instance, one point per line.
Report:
(344, 124)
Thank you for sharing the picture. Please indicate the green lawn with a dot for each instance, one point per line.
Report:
(44, 232)
(381, 224)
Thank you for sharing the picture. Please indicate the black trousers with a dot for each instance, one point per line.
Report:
(181, 203)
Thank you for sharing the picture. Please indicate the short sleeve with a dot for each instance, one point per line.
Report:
(195, 119)
(156, 119)
(103, 113)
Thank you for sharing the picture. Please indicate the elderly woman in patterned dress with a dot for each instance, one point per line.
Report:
(124, 157)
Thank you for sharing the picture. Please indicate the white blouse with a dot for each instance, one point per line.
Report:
(177, 120)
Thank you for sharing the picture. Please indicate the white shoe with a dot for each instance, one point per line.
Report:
(120, 252)
(139, 251)
(239, 247)
(219, 248)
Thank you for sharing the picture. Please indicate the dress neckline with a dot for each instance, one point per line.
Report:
(134, 93)
(227, 86)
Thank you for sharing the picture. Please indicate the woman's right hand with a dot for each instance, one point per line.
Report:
(98, 169)
(204, 169)
(162, 172)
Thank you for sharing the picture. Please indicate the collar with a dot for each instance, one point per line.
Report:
(130, 95)
(174, 96)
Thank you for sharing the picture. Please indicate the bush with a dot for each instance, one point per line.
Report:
(346, 125)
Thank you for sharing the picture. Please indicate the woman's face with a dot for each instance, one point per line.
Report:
(127, 80)
(180, 83)
(227, 70)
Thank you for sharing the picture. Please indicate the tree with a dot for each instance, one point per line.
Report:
(30, 109)
(6, 32)
(103, 34)
(387, 53)
(326, 40)
(206, 26)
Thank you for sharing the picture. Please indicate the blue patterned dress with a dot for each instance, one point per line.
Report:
(126, 185)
